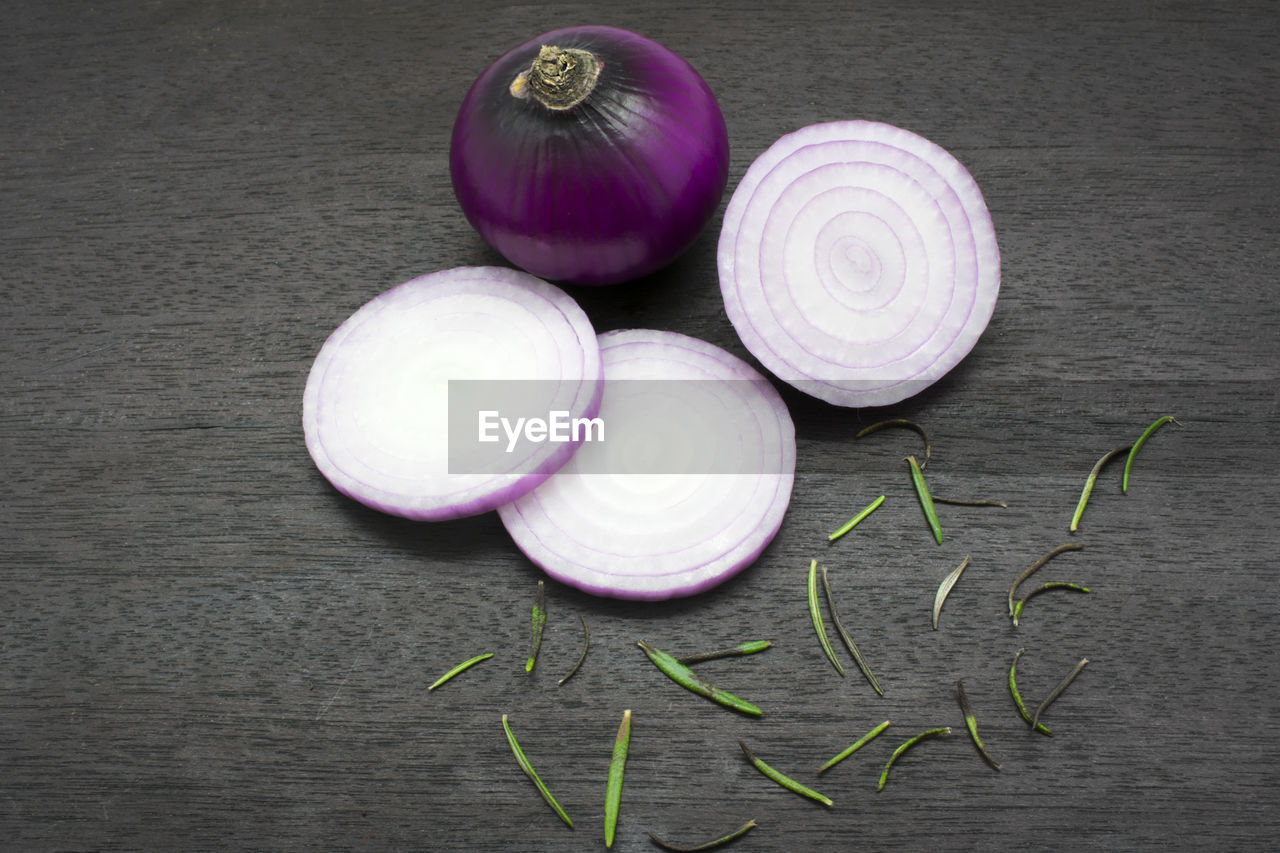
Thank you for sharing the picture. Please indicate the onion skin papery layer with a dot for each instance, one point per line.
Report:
(604, 191)
(858, 262)
(688, 487)
(375, 407)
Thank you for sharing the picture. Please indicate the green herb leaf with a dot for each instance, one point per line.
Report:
(1090, 480)
(1137, 445)
(971, 723)
(815, 616)
(748, 648)
(613, 788)
(529, 771)
(926, 500)
(783, 780)
(466, 664)
(1052, 585)
(538, 621)
(897, 753)
(854, 747)
(686, 678)
(1017, 697)
(853, 522)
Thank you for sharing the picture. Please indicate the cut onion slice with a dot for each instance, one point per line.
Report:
(375, 408)
(858, 262)
(687, 487)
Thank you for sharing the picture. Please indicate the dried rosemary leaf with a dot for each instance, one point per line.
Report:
(748, 648)
(971, 723)
(903, 747)
(1052, 585)
(944, 589)
(706, 845)
(863, 666)
(1057, 691)
(1090, 480)
(1070, 546)
(586, 644)
(1017, 697)
(905, 424)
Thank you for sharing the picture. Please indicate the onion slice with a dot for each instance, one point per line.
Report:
(375, 408)
(687, 487)
(858, 262)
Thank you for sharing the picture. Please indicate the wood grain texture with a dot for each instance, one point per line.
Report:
(204, 647)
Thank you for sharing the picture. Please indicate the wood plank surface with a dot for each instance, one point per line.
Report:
(204, 647)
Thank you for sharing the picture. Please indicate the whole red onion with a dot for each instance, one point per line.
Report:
(589, 155)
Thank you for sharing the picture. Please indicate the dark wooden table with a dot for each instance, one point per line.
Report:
(203, 646)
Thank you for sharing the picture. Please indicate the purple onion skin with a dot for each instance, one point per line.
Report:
(607, 191)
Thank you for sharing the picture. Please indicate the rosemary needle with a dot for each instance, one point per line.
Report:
(466, 664)
(1057, 691)
(854, 747)
(910, 742)
(529, 771)
(1070, 546)
(538, 621)
(900, 422)
(944, 589)
(1090, 480)
(926, 500)
(785, 781)
(1142, 439)
(748, 648)
(853, 522)
(706, 845)
(686, 678)
(1017, 697)
(844, 635)
(1072, 587)
(815, 616)
(971, 723)
(613, 787)
(586, 644)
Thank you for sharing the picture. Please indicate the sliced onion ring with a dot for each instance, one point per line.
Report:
(689, 485)
(858, 262)
(375, 408)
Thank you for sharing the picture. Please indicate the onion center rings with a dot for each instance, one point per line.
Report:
(858, 262)
(724, 445)
(375, 408)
